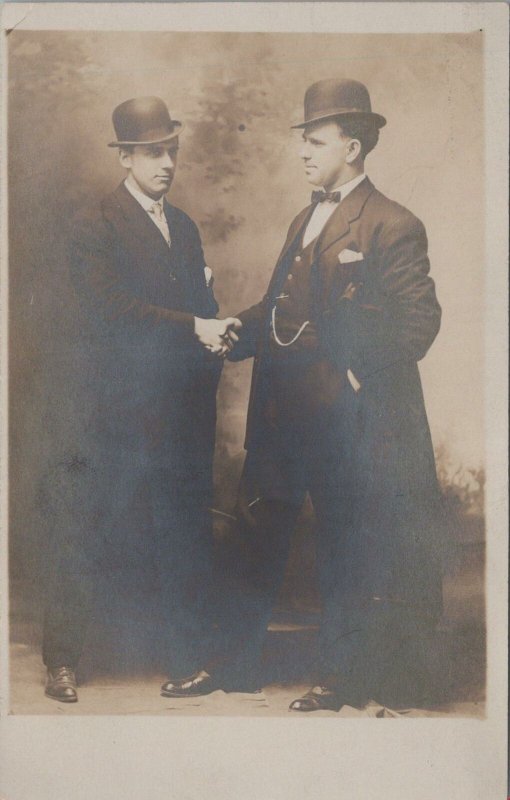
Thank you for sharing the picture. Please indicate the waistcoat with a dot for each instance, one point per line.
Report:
(294, 308)
(302, 381)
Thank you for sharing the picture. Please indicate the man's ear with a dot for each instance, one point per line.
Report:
(353, 150)
(125, 158)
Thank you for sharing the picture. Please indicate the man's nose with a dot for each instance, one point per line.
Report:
(304, 151)
(168, 161)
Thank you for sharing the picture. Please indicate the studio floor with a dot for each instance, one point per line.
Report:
(126, 687)
(136, 695)
(120, 675)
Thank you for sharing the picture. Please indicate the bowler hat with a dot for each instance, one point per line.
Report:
(143, 120)
(338, 98)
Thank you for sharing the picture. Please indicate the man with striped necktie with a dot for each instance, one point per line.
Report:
(144, 413)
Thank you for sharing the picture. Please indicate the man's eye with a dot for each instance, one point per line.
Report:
(161, 153)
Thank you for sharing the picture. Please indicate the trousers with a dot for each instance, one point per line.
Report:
(360, 634)
(132, 509)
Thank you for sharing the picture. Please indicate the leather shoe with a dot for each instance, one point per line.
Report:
(61, 685)
(199, 683)
(320, 698)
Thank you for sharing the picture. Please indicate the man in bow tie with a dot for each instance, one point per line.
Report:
(336, 410)
(145, 421)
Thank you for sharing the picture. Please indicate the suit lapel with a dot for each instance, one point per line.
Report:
(296, 226)
(175, 229)
(139, 235)
(336, 226)
(348, 210)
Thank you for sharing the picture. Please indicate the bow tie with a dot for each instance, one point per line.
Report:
(320, 196)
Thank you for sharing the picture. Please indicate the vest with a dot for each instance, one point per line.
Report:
(302, 381)
(293, 328)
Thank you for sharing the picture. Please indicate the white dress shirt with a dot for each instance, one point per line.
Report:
(154, 209)
(323, 211)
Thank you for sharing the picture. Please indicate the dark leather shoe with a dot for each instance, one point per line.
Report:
(61, 685)
(318, 699)
(199, 683)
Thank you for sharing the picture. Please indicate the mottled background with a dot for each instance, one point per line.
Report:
(240, 178)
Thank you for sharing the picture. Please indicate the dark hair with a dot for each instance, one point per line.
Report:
(364, 130)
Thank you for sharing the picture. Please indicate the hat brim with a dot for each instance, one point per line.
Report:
(378, 119)
(178, 126)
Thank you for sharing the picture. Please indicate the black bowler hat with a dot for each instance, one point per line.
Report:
(144, 120)
(338, 98)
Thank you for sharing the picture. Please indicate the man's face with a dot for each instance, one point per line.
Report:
(325, 153)
(151, 167)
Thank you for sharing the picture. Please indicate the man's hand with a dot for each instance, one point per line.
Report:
(218, 335)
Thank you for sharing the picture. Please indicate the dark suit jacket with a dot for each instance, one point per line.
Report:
(130, 480)
(140, 364)
(380, 335)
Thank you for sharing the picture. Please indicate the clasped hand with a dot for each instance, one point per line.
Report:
(218, 335)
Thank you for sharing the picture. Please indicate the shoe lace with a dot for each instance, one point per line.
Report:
(64, 674)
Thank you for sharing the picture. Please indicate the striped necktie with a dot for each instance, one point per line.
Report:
(158, 217)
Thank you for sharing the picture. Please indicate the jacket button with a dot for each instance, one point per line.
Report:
(290, 276)
(298, 258)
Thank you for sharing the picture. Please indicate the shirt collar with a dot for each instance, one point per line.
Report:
(146, 202)
(346, 188)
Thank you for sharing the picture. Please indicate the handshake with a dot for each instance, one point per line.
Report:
(218, 335)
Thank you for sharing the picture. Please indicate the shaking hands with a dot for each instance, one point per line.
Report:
(218, 335)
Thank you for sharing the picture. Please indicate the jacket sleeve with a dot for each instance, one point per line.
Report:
(404, 320)
(254, 320)
(100, 287)
(209, 304)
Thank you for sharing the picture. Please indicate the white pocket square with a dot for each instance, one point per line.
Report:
(348, 256)
(208, 277)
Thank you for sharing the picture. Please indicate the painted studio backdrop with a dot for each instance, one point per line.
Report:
(240, 178)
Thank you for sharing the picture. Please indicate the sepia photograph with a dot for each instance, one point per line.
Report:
(336, 531)
(247, 412)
